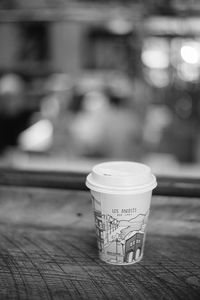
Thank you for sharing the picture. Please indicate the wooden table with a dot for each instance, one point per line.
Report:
(48, 249)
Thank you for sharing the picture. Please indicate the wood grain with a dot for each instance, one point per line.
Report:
(48, 249)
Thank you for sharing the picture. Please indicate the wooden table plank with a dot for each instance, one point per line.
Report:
(48, 249)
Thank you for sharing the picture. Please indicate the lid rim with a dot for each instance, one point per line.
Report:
(121, 177)
(123, 190)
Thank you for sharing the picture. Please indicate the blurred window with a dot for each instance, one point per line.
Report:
(105, 49)
(34, 42)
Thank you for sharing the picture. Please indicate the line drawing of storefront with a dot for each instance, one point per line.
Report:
(125, 250)
(133, 247)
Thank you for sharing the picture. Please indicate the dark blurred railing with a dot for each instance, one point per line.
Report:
(167, 185)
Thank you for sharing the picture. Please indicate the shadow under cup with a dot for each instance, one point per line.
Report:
(121, 195)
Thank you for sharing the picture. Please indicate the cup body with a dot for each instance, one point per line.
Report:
(121, 195)
(121, 223)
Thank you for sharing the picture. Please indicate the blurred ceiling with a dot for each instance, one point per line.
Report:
(171, 7)
(99, 11)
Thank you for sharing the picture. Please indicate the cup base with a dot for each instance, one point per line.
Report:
(123, 263)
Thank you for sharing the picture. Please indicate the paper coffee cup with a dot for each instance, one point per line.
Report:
(121, 194)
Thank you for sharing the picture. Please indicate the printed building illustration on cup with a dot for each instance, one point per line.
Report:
(120, 240)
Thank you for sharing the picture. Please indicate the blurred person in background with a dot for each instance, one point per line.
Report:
(54, 108)
(105, 127)
(14, 114)
(47, 133)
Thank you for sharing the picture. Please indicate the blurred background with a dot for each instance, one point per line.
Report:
(89, 81)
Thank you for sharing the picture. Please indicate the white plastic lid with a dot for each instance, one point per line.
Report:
(121, 177)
